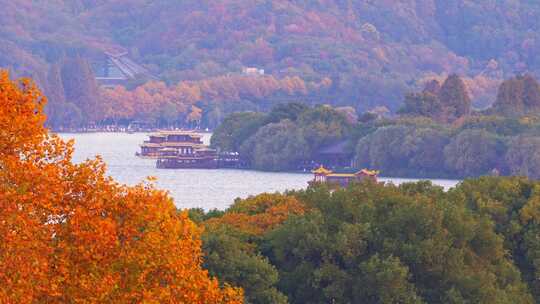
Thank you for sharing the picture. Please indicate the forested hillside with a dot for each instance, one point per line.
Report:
(372, 51)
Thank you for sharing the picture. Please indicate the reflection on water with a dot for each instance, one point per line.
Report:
(189, 187)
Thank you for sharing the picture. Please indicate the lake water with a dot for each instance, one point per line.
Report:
(190, 188)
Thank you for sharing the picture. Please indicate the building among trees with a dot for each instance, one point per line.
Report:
(323, 175)
(116, 68)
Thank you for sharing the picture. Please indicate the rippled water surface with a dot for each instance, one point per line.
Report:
(189, 187)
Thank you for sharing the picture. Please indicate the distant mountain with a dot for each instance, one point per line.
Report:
(373, 51)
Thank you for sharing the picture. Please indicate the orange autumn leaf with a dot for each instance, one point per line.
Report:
(69, 233)
(260, 214)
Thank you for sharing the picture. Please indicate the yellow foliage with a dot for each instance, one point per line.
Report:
(531, 210)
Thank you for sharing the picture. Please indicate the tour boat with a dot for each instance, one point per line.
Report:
(184, 150)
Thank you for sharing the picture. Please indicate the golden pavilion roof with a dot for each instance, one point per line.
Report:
(341, 175)
(368, 172)
(321, 171)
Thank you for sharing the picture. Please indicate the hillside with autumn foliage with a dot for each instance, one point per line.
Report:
(70, 234)
(372, 52)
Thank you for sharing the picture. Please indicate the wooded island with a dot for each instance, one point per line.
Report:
(436, 134)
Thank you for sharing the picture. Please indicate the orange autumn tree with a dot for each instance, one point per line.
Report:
(258, 214)
(187, 97)
(70, 234)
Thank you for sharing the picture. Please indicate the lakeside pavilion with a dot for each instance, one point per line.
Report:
(323, 175)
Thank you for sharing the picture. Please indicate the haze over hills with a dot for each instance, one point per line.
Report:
(373, 51)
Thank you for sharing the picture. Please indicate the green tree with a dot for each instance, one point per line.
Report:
(425, 150)
(455, 98)
(290, 111)
(523, 156)
(474, 153)
(518, 96)
(373, 243)
(322, 125)
(513, 204)
(382, 150)
(276, 146)
(230, 257)
(510, 98)
(235, 129)
(422, 104)
(385, 280)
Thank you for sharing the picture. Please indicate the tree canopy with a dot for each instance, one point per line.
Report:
(69, 233)
(435, 134)
(381, 243)
(518, 96)
(286, 137)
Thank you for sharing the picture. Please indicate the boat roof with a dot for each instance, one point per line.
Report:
(176, 132)
(173, 145)
(182, 144)
(151, 145)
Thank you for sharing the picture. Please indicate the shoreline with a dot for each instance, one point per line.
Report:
(298, 172)
(123, 131)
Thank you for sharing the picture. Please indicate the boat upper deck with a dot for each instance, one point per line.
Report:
(179, 136)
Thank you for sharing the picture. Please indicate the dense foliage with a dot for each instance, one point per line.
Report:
(70, 234)
(435, 134)
(443, 103)
(374, 243)
(518, 96)
(286, 138)
(372, 51)
(499, 140)
(230, 239)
